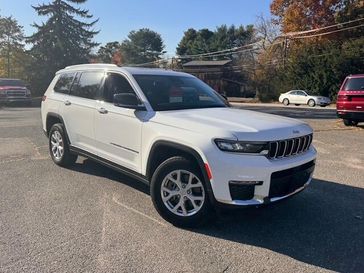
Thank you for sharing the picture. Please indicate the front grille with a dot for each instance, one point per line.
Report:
(16, 93)
(287, 181)
(289, 147)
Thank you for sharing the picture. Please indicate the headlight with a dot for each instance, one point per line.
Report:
(28, 92)
(242, 146)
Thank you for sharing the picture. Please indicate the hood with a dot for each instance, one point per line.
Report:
(234, 123)
(12, 87)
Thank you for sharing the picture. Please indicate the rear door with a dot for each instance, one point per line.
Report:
(79, 109)
(292, 96)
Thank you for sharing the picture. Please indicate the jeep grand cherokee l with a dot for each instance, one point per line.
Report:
(173, 132)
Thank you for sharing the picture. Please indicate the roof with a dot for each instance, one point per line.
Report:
(207, 63)
(125, 69)
(356, 76)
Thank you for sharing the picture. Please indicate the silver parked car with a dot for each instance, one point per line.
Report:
(299, 97)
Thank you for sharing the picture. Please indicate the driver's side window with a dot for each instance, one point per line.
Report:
(116, 84)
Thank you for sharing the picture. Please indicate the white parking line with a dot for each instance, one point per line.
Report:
(138, 212)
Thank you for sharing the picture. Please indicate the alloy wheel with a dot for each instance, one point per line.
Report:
(57, 145)
(182, 193)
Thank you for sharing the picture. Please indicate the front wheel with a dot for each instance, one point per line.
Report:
(58, 146)
(286, 102)
(179, 194)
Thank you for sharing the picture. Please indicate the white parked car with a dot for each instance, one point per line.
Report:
(175, 133)
(299, 97)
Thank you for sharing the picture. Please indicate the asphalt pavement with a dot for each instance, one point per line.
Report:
(90, 218)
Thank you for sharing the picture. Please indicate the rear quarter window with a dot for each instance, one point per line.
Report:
(64, 83)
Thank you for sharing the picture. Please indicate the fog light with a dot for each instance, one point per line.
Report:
(250, 183)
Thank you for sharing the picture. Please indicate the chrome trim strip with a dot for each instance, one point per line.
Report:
(125, 148)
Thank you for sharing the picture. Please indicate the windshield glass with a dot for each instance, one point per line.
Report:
(166, 92)
(354, 84)
(11, 82)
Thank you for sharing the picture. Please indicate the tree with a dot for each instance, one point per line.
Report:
(11, 38)
(61, 41)
(142, 46)
(305, 14)
(106, 53)
(204, 41)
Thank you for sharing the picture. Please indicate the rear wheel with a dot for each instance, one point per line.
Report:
(179, 194)
(311, 103)
(59, 148)
(286, 102)
(349, 122)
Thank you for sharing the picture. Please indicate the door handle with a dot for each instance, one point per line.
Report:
(102, 110)
(67, 102)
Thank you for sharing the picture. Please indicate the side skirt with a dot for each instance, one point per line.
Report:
(110, 164)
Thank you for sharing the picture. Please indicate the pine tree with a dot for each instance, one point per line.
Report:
(62, 40)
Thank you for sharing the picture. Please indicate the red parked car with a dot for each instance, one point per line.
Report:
(350, 100)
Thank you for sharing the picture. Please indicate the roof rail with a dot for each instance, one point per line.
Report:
(91, 65)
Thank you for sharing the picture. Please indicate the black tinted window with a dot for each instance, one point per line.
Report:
(115, 84)
(64, 83)
(354, 84)
(11, 82)
(87, 85)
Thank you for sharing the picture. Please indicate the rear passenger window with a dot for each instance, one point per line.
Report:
(64, 83)
(115, 84)
(88, 85)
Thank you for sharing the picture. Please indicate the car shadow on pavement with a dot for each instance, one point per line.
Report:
(322, 226)
(91, 167)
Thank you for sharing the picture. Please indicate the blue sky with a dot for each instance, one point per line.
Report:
(168, 17)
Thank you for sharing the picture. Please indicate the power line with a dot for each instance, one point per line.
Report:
(325, 33)
(322, 28)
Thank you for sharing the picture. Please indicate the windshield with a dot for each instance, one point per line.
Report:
(166, 92)
(11, 82)
(354, 84)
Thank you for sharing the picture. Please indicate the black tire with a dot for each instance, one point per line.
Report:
(349, 122)
(311, 103)
(67, 158)
(297, 104)
(286, 102)
(205, 211)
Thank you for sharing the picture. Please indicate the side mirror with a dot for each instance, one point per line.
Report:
(128, 100)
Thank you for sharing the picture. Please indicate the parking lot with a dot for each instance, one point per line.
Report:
(92, 219)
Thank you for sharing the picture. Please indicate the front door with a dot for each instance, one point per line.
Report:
(118, 129)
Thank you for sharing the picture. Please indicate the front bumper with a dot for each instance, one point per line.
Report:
(15, 99)
(274, 179)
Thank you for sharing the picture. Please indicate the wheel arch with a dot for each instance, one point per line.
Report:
(161, 150)
(53, 118)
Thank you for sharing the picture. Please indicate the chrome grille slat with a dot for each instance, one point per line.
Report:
(277, 148)
(289, 147)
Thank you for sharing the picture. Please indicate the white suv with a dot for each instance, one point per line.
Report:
(172, 131)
